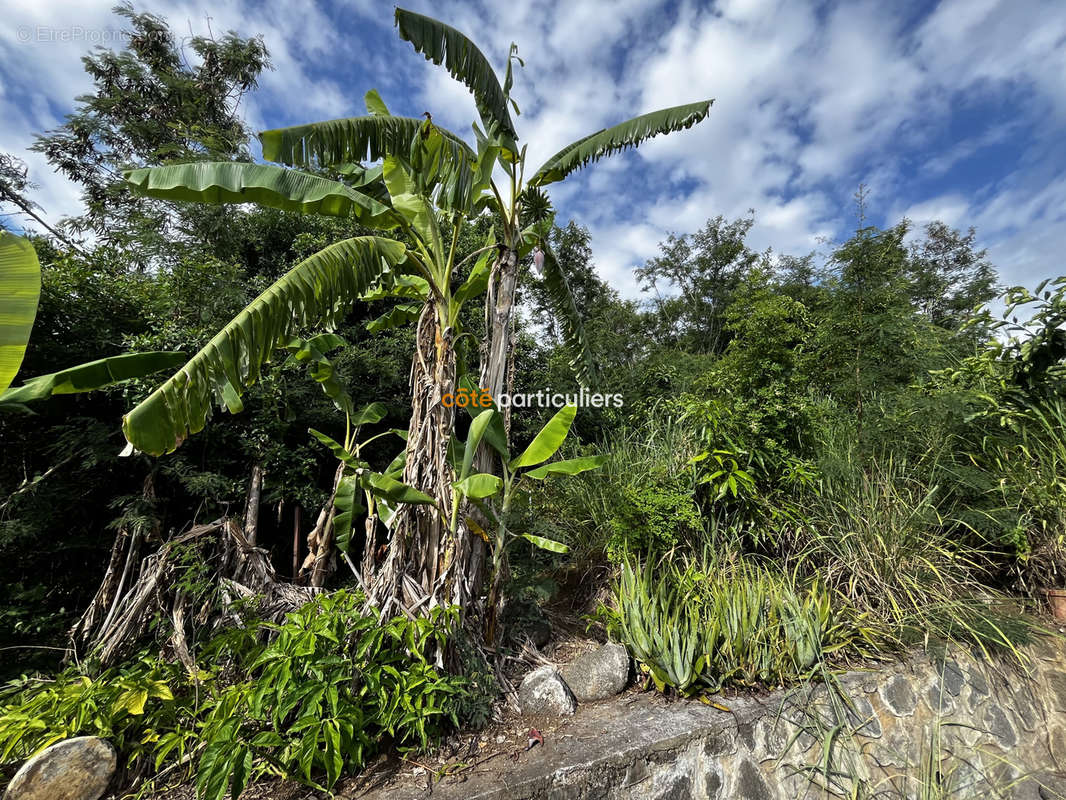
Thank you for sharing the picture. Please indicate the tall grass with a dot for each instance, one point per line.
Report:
(896, 548)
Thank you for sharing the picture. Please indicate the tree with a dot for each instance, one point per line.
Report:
(151, 103)
(694, 280)
(949, 277)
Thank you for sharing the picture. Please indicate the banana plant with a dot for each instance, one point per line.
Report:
(427, 184)
(520, 206)
(20, 290)
(495, 494)
(381, 492)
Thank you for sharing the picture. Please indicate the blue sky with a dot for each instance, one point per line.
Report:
(953, 110)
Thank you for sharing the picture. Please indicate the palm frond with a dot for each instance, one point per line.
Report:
(443, 44)
(565, 311)
(617, 138)
(352, 140)
(317, 291)
(218, 182)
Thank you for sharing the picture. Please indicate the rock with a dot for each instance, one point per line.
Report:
(74, 769)
(599, 674)
(544, 692)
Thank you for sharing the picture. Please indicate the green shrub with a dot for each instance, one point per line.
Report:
(653, 517)
(894, 547)
(129, 705)
(328, 688)
(643, 498)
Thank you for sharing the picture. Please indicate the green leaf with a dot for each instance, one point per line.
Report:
(564, 309)
(546, 544)
(370, 414)
(347, 506)
(338, 449)
(20, 290)
(355, 140)
(571, 466)
(396, 317)
(549, 440)
(443, 44)
(312, 352)
(620, 137)
(478, 428)
(375, 106)
(478, 279)
(397, 492)
(93, 375)
(224, 182)
(317, 291)
(242, 770)
(494, 433)
(132, 701)
(479, 485)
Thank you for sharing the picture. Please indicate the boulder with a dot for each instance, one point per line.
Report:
(544, 693)
(74, 769)
(599, 674)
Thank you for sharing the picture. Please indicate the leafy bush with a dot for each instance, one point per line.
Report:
(328, 688)
(651, 517)
(129, 705)
(642, 499)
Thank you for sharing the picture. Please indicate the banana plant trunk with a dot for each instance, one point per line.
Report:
(426, 565)
(495, 361)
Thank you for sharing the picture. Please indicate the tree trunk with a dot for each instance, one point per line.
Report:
(495, 376)
(251, 514)
(499, 305)
(425, 563)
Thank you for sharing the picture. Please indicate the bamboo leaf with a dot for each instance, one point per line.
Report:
(318, 290)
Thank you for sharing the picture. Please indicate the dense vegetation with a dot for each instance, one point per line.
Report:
(820, 458)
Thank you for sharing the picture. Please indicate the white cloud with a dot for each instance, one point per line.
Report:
(809, 101)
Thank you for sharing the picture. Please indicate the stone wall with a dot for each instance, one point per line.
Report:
(987, 728)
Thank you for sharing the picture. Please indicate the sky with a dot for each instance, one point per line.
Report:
(953, 110)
